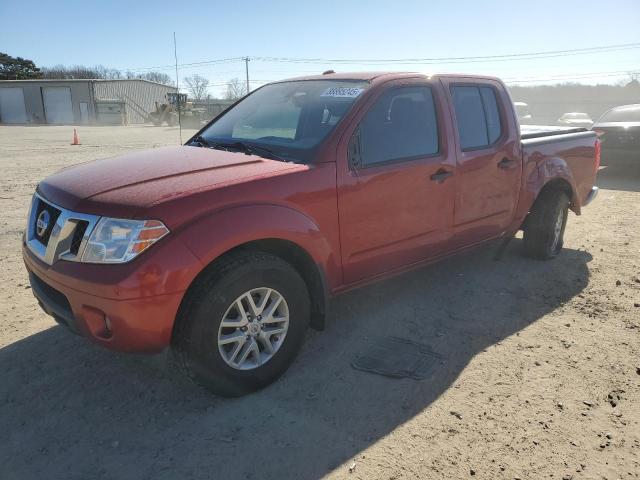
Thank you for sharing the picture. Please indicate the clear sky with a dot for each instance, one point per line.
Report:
(138, 34)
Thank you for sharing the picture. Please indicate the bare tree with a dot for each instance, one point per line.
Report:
(107, 73)
(197, 86)
(101, 72)
(157, 77)
(235, 89)
(633, 80)
(80, 71)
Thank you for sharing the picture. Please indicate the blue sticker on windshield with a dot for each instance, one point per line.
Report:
(342, 92)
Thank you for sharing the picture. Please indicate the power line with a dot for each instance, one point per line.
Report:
(573, 77)
(435, 60)
(204, 63)
(563, 75)
(411, 61)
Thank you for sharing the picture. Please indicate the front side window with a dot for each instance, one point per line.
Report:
(291, 119)
(477, 116)
(400, 125)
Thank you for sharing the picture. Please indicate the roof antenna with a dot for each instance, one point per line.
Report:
(328, 72)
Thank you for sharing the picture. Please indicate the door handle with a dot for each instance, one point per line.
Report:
(506, 163)
(441, 175)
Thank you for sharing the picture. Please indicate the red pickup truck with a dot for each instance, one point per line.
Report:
(227, 248)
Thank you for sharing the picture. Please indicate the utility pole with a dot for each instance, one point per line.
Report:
(175, 55)
(246, 65)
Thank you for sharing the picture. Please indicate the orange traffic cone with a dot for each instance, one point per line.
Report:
(76, 139)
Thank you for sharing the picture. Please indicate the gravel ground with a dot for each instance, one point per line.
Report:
(539, 377)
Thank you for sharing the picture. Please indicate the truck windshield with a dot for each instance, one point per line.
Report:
(289, 119)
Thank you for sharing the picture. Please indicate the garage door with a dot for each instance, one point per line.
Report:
(57, 104)
(12, 106)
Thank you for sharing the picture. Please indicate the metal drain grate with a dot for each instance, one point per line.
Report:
(398, 358)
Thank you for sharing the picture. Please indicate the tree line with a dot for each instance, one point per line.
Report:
(18, 68)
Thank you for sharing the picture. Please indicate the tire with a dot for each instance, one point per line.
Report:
(212, 299)
(545, 225)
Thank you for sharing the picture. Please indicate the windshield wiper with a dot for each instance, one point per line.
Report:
(238, 146)
(250, 149)
(200, 141)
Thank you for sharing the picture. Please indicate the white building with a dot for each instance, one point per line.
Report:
(76, 102)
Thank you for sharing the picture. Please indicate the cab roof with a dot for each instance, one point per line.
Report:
(384, 76)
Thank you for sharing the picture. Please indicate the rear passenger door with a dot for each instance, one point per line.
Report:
(488, 160)
(395, 195)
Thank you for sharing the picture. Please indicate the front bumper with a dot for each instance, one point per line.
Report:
(130, 307)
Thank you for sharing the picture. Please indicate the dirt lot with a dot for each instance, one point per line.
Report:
(540, 376)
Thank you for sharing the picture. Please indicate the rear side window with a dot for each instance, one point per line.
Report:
(401, 124)
(492, 114)
(477, 116)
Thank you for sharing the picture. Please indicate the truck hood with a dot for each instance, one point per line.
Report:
(121, 186)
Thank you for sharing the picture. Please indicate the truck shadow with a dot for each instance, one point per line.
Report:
(72, 410)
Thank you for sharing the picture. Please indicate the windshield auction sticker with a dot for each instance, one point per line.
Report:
(342, 92)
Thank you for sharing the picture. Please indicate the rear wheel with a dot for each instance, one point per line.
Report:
(545, 225)
(242, 323)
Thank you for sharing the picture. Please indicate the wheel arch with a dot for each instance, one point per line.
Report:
(312, 273)
(555, 173)
(557, 183)
(292, 253)
(553, 184)
(281, 230)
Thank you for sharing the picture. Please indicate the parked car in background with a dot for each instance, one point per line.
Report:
(523, 113)
(619, 132)
(575, 119)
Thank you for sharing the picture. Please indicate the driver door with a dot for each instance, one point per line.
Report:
(396, 195)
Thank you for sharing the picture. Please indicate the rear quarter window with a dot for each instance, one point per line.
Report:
(492, 114)
(477, 116)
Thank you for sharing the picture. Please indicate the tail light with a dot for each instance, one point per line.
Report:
(599, 133)
(597, 152)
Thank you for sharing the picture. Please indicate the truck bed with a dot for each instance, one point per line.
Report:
(573, 147)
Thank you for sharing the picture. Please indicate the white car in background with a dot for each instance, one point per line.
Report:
(575, 119)
(523, 113)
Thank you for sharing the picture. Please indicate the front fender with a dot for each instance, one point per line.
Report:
(213, 235)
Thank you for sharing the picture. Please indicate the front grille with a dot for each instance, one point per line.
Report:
(78, 234)
(53, 214)
(62, 238)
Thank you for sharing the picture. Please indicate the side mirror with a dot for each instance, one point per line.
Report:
(355, 157)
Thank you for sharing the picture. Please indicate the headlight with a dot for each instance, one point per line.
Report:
(115, 240)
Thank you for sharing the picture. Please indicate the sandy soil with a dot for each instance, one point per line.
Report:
(540, 375)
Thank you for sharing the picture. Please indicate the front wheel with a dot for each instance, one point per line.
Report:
(242, 323)
(545, 225)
